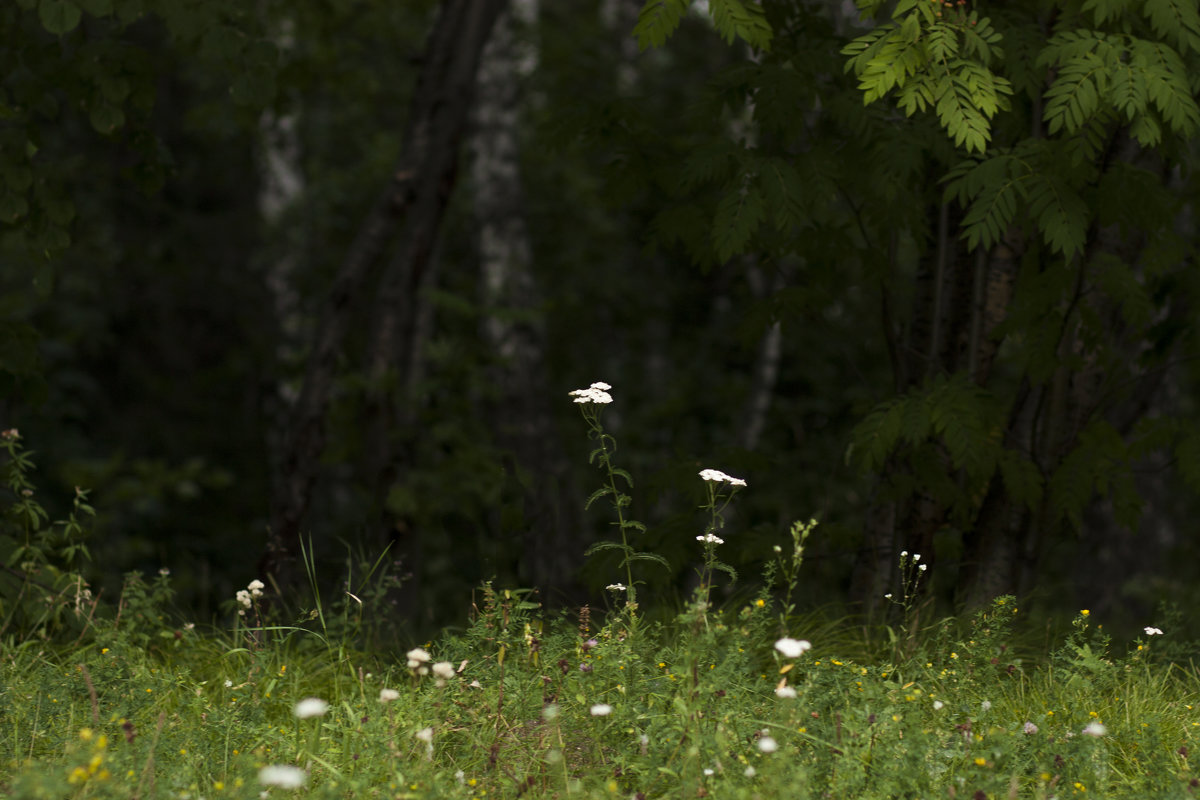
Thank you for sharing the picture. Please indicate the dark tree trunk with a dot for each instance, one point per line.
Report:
(415, 199)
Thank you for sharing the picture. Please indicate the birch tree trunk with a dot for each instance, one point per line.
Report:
(409, 210)
(521, 414)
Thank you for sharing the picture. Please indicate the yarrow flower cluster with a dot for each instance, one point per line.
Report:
(792, 648)
(247, 596)
(310, 707)
(596, 393)
(282, 775)
(710, 538)
(1153, 631)
(716, 476)
(442, 672)
(418, 658)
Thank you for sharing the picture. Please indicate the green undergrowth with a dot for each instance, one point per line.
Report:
(524, 703)
(754, 699)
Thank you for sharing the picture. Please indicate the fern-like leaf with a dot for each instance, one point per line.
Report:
(657, 20)
(1060, 213)
(1175, 20)
(1167, 85)
(739, 19)
(739, 215)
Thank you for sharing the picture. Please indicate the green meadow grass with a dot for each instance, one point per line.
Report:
(752, 700)
(568, 705)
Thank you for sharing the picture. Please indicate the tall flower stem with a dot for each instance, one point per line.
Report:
(591, 403)
(717, 502)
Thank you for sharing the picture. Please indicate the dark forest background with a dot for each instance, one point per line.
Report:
(281, 270)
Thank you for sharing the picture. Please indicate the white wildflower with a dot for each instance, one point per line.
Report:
(1095, 728)
(710, 538)
(916, 556)
(310, 707)
(615, 587)
(417, 658)
(786, 692)
(283, 776)
(792, 648)
(243, 597)
(938, 705)
(596, 393)
(256, 586)
(986, 705)
(1153, 631)
(717, 476)
(1029, 728)
(768, 745)
(425, 735)
(709, 772)
(922, 567)
(388, 695)
(228, 684)
(750, 771)
(601, 710)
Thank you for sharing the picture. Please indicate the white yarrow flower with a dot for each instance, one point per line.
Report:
(417, 658)
(601, 710)
(596, 393)
(243, 597)
(938, 705)
(1095, 728)
(388, 695)
(768, 745)
(786, 692)
(425, 735)
(750, 771)
(310, 707)
(792, 648)
(717, 476)
(443, 670)
(1153, 631)
(615, 587)
(283, 776)
(710, 538)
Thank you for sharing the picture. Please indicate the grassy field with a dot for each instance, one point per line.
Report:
(712, 704)
(754, 700)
